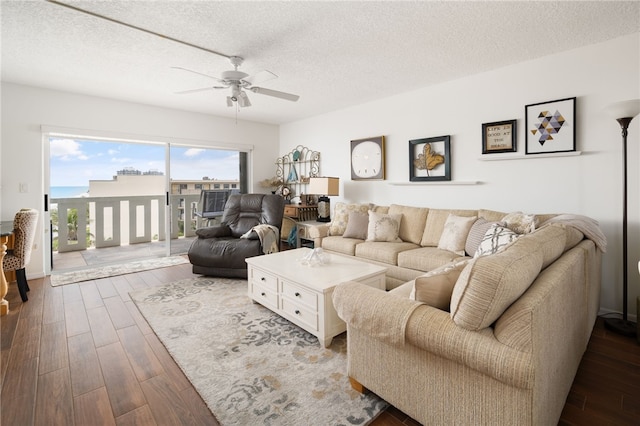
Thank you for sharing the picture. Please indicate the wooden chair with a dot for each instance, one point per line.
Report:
(16, 259)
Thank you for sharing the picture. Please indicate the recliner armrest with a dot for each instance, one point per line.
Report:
(214, 232)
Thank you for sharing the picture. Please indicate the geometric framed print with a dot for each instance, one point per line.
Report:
(550, 126)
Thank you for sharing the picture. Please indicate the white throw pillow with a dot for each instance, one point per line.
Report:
(454, 234)
(384, 227)
(497, 238)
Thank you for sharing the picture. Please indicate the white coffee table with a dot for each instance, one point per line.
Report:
(302, 294)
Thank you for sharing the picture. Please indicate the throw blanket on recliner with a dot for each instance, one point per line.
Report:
(268, 236)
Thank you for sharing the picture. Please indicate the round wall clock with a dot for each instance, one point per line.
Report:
(367, 158)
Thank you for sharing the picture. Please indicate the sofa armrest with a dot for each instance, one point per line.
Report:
(432, 330)
(214, 232)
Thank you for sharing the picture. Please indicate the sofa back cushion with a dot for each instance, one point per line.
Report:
(490, 284)
(436, 218)
(413, 222)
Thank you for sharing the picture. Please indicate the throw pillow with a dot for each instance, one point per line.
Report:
(357, 226)
(340, 216)
(454, 234)
(476, 234)
(495, 239)
(435, 287)
(520, 223)
(384, 227)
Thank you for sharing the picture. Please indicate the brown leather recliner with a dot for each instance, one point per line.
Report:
(219, 251)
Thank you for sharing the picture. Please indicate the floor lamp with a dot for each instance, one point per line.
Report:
(623, 112)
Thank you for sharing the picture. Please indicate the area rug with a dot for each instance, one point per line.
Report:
(114, 270)
(250, 365)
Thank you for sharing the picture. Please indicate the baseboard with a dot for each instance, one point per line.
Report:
(610, 312)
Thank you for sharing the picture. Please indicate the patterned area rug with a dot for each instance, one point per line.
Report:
(113, 270)
(250, 365)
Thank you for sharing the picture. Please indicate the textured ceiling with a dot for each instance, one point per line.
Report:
(332, 54)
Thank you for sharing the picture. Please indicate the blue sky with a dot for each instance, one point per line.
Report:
(74, 162)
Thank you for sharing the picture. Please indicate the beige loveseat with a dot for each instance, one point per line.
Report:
(506, 350)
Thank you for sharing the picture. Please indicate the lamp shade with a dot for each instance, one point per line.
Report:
(324, 186)
(623, 109)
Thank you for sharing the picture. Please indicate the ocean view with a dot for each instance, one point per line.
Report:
(68, 191)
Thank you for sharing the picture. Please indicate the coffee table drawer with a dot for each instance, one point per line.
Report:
(300, 294)
(264, 296)
(265, 279)
(300, 313)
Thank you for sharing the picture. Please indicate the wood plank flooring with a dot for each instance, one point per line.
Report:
(82, 354)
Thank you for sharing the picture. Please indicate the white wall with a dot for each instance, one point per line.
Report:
(589, 184)
(25, 109)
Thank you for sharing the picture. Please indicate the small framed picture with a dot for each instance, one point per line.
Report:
(367, 159)
(430, 159)
(550, 126)
(500, 136)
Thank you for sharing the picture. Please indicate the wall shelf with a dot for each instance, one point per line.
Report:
(295, 168)
(503, 157)
(443, 182)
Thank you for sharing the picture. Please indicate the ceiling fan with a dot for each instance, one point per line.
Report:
(239, 82)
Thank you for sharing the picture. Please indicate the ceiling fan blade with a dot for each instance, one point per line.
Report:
(275, 93)
(260, 77)
(184, 92)
(199, 73)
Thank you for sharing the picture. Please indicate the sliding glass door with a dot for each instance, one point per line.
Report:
(201, 181)
(113, 201)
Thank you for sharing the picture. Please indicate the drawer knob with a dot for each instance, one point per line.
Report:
(263, 294)
(263, 279)
(297, 294)
(297, 312)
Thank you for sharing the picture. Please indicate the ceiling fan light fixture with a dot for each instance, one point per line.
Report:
(229, 101)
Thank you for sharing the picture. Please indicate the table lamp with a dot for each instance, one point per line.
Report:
(324, 186)
(623, 112)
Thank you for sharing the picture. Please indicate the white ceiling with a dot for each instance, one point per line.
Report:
(333, 54)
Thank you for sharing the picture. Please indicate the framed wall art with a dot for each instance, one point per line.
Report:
(367, 159)
(430, 159)
(550, 126)
(500, 136)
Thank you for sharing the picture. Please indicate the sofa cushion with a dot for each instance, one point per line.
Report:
(413, 221)
(491, 215)
(488, 285)
(495, 239)
(436, 219)
(435, 287)
(476, 234)
(455, 232)
(425, 258)
(341, 216)
(521, 223)
(384, 227)
(340, 244)
(357, 226)
(384, 252)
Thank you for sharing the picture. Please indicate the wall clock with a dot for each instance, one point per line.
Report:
(367, 159)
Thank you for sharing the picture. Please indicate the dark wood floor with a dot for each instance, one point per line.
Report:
(82, 354)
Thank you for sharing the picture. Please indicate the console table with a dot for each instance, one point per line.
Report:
(301, 212)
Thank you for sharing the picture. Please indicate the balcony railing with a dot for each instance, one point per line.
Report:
(114, 221)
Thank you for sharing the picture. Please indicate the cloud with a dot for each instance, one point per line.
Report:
(66, 150)
(112, 151)
(121, 160)
(193, 152)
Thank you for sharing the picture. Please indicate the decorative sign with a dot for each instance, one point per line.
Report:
(499, 137)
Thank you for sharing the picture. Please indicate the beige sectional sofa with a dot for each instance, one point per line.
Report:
(504, 350)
